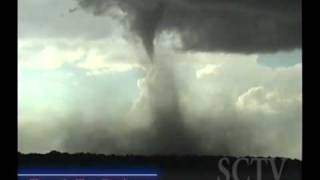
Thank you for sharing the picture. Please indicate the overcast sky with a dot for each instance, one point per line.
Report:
(143, 77)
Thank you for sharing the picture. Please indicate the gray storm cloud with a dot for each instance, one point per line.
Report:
(212, 25)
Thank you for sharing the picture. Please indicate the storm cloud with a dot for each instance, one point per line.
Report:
(212, 25)
(85, 88)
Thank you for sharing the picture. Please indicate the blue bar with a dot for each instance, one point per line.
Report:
(87, 176)
(97, 173)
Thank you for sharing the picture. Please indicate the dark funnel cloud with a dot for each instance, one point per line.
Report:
(144, 17)
(170, 134)
(145, 25)
(246, 26)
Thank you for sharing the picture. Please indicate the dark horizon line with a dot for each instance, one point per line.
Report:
(154, 155)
